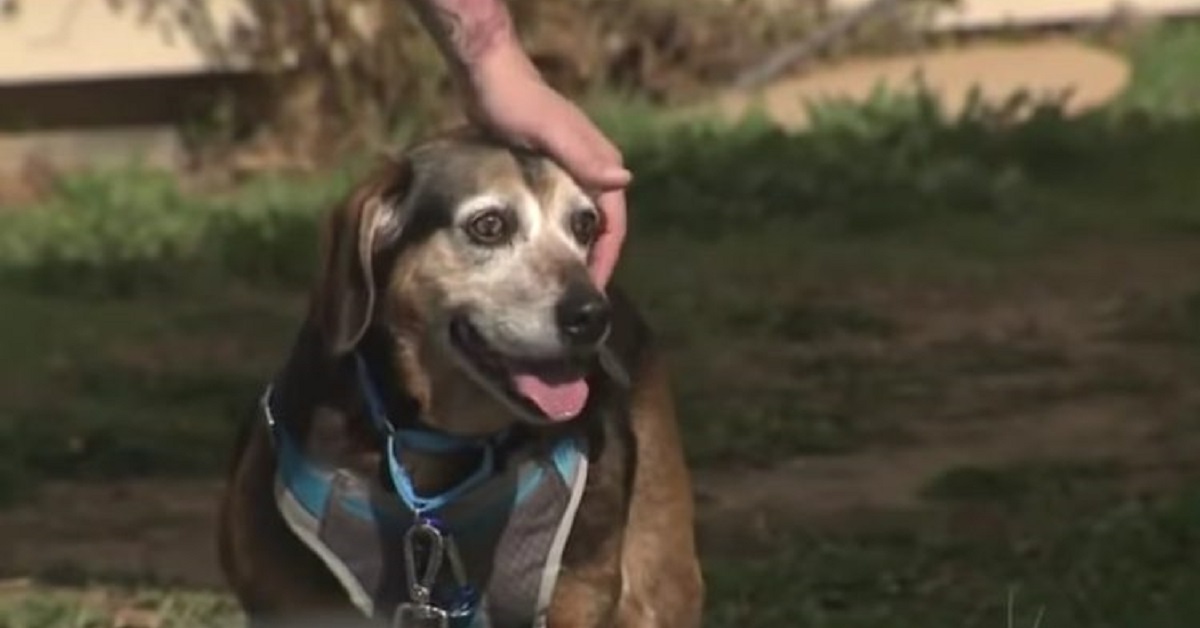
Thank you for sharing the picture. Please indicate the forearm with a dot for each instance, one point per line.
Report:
(467, 31)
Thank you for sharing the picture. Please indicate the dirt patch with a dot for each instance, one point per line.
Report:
(998, 70)
(149, 529)
(1069, 388)
(891, 478)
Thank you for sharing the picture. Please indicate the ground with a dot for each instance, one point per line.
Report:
(987, 378)
(930, 371)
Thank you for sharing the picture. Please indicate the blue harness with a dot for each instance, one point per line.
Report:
(502, 530)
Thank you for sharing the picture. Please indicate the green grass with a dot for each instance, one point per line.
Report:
(1164, 81)
(36, 607)
(110, 389)
(1096, 561)
(1069, 548)
(1018, 483)
(140, 321)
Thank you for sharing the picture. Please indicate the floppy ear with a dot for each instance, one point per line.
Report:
(343, 302)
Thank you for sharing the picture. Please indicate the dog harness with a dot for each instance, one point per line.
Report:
(484, 554)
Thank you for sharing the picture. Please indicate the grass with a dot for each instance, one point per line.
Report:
(27, 606)
(1075, 553)
(1097, 562)
(792, 278)
(118, 388)
(1161, 83)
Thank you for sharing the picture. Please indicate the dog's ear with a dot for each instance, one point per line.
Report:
(368, 221)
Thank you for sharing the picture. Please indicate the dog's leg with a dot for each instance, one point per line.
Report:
(587, 597)
(663, 585)
(589, 587)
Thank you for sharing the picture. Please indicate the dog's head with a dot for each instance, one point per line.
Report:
(472, 257)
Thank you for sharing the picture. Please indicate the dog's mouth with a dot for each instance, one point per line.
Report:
(556, 389)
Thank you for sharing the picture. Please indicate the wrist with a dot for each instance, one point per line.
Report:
(503, 60)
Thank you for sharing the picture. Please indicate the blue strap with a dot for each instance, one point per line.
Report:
(422, 440)
(421, 505)
(375, 407)
(312, 487)
(309, 487)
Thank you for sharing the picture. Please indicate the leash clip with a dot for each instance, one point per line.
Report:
(419, 611)
(421, 587)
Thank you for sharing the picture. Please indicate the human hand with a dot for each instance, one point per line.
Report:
(508, 95)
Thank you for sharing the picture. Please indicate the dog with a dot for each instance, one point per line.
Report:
(467, 432)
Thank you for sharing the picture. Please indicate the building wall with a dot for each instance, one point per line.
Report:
(78, 40)
(102, 82)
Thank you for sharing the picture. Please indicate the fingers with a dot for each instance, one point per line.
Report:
(586, 154)
(608, 246)
(603, 152)
(594, 161)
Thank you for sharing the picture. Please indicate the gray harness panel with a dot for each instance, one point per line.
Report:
(509, 529)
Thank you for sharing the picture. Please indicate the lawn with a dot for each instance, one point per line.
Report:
(932, 371)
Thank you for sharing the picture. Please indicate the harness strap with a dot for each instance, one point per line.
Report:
(423, 440)
(419, 439)
(338, 516)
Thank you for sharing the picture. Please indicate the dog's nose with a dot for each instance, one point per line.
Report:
(583, 316)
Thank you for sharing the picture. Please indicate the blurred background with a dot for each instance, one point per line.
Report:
(928, 275)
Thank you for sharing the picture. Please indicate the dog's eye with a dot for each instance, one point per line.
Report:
(490, 227)
(585, 226)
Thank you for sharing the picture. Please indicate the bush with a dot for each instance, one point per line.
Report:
(896, 162)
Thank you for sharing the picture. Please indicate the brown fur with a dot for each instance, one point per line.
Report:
(630, 560)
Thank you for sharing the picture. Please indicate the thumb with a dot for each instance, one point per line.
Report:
(574, 153)
(608, 246)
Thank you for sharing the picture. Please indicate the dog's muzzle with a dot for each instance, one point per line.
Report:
(583, 316)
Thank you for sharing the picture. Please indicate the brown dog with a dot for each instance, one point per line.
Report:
(454, 306)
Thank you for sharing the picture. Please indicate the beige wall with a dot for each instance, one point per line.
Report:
(98, 82)
(988, 14)
(67, 40)
(56, 40)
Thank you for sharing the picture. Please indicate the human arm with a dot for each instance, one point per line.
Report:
(505, 93)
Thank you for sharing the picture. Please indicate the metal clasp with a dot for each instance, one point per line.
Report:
(419, 611)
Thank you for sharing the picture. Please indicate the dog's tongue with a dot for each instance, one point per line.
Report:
(559, 401)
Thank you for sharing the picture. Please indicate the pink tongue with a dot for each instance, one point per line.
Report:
(559, 401)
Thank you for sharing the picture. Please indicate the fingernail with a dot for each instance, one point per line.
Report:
(618, 174)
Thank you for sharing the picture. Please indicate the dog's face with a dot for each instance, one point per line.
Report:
(474, 258)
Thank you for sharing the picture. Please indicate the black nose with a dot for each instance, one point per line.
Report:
(583, 315)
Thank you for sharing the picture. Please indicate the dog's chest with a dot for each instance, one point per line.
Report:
(508, 532)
